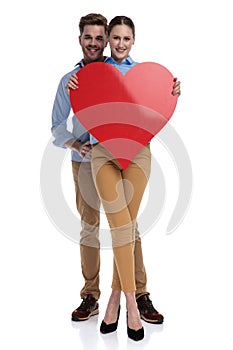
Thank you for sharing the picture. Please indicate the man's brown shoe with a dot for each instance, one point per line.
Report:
(147, 310)
(88, 307)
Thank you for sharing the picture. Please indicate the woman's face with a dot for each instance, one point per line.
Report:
(120, 40)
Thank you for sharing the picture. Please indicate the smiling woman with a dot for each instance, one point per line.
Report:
(114, 182)
(121, 38)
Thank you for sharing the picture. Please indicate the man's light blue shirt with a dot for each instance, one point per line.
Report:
(60, 114)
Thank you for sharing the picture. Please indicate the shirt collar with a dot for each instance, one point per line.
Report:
(81, 63)
(127, 60)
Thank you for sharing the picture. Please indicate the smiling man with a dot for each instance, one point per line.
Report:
(93, 41)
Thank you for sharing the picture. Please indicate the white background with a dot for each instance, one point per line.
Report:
(190, 271)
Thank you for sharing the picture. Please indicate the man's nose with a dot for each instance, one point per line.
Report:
(93, 42)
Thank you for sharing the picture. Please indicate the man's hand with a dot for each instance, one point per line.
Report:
(83, 149)
(72, 83)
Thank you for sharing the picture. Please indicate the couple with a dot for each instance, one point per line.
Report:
(108, 183)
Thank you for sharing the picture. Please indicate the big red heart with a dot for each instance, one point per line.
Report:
(124, 112)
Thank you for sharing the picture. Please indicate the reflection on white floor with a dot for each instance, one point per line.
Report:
(90, 337)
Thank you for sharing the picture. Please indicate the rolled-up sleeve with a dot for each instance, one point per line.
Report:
(60, 113)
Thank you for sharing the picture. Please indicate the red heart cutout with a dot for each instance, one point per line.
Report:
(124, 112)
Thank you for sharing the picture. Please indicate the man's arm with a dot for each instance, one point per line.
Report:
(60, 114)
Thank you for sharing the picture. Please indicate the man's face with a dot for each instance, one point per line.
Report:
(93, 42)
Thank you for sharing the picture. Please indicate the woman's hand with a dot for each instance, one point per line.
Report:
(176, 87)
(72, 83)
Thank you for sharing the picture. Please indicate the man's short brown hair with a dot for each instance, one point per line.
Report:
(92, 19)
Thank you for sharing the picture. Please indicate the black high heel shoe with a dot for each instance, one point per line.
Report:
(112, 327)
(134, 335)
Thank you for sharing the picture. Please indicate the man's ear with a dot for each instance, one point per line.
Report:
(79, 39)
